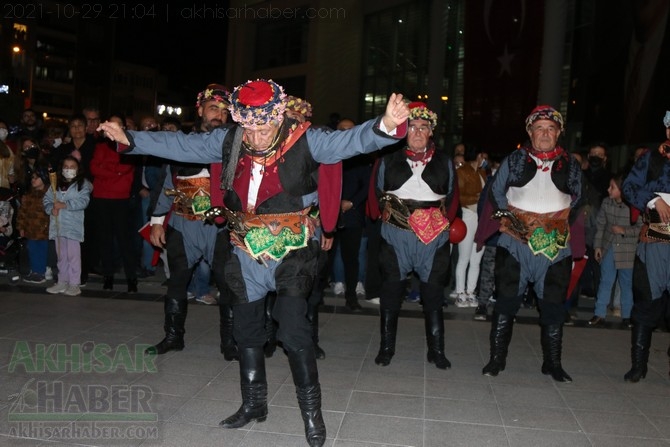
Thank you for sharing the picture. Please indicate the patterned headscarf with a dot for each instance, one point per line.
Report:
(420, 111)
(544, 113)
(213, 92)
(256, 103)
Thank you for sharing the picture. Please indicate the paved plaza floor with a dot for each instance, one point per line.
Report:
(71, 367)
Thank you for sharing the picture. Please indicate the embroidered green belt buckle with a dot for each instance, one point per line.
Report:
(260, 241)
(547, 244)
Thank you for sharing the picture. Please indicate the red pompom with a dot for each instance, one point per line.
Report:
(256, 93)
(415, 104)
(457, 231)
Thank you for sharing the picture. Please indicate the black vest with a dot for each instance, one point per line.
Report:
(298, 176)
(563, 174)
(436, 174)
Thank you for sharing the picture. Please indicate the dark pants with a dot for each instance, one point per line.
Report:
(508, 298)
(180, 272)
(648, 310)
(112, 217)
(290, 313)
(321, 279)
(394, 290)
(349, 240)
(373, 279)
(294, 281)
(90, 250)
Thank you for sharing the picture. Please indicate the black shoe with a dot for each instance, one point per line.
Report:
(353, 305)
(108, 284)
(480, 313)
(596, 321)
(569, 321)
(145, 273)
(165, 346)
(132, 285)
(626, 323)
(320, 353)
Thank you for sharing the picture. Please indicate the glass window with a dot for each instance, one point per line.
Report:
(280, 43)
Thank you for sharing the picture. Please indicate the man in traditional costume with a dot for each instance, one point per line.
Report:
(177, 223)
(533, 193)
(647, 188)
(418, 195)
(269, 182)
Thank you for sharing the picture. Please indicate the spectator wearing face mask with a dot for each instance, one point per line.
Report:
(597, 178)
(66, 206)
(25, 161)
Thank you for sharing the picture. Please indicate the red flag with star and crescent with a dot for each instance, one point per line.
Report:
(503, 50)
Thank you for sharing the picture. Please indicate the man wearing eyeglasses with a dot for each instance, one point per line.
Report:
(418, 197)
(92, 115)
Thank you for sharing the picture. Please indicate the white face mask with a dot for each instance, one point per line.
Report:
(57, 142)
(3, 134)
(69, 173)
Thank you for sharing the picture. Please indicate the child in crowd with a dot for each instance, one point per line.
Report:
(33, 224)
(66, 206)
(614, 248)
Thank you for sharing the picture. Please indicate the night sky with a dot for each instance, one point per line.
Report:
(190, 53)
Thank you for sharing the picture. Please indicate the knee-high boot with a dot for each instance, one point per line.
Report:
(434, 322)
(228, 346)
(552, 344)
(254, 387)
(502, 327)
(175, 318)
(640, 341)
(308, 391)
(388, 327)
(313, 318)
(270, 325)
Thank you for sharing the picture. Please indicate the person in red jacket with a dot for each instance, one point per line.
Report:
(112, 180)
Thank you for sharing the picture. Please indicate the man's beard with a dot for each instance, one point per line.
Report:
(213, 124)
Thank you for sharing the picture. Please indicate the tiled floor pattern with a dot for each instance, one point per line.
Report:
(408, 403)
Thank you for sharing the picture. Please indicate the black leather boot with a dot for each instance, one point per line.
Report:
(175, 317)
(254, 388)
(108, 283)
(388, 327)
(640, 341)
(270, 325)
(501, 334)
(313, 318)
(669, 359)
(308, 391)
(228, 346)
(132, 285)
(434, 322)
(552, 344)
